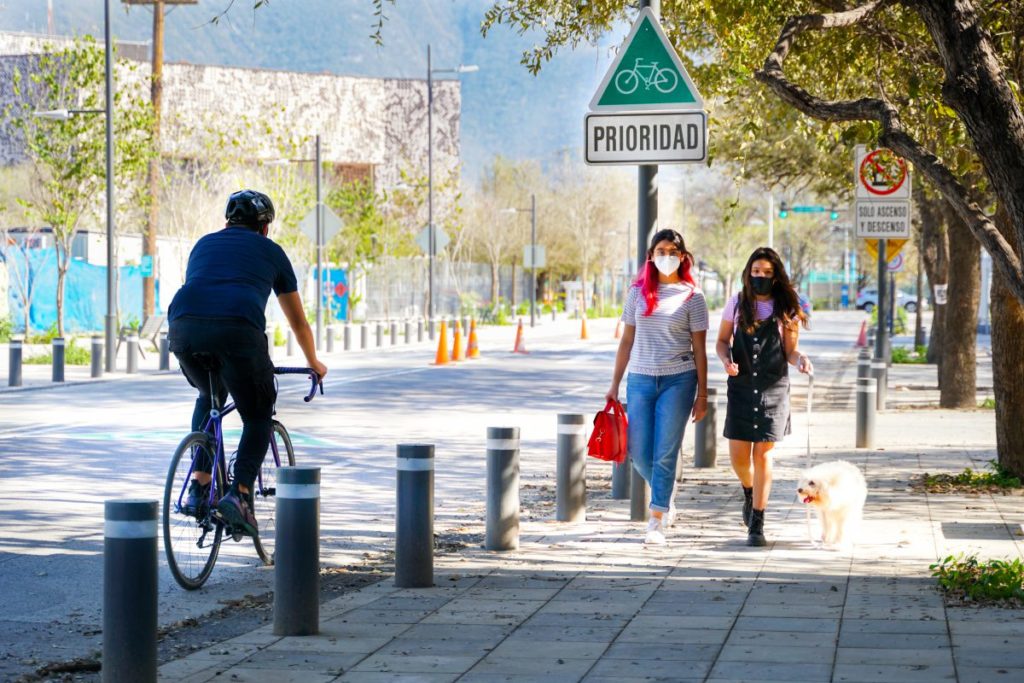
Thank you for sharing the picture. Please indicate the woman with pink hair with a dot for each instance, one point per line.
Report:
(663, 344)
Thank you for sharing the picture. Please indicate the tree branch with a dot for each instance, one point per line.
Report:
(894, 135)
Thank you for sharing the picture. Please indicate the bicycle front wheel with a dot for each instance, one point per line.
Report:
(280, 454)
(626, 82)
(191, 536)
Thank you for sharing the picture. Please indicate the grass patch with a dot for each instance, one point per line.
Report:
(73, 355)
(971, 580)
(902, 354)
(988, 403)
(996, 480)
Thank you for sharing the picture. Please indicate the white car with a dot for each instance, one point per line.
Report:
(867, 299)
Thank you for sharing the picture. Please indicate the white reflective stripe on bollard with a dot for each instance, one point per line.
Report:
(502, 444)
(415, 464)
(115, 528)
(571, 428)
(298, 491)
(868, 390)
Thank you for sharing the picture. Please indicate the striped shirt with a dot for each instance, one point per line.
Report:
(663, 345)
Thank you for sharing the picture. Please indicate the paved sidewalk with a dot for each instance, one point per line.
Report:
(589, 602)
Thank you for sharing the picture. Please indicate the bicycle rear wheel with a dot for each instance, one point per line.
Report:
(191, 538)
(280, 454)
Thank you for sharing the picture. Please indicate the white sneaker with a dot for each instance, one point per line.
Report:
(669, 518)
(655, 535)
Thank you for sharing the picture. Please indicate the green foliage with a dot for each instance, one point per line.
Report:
(280, 339)
(968, 578)
(469, 304)
(988, 403)
(607, 311)
(73, 355)
(69, 156)
(6, 329)
(900, 324)
(904, 355)
(995, 480)
(43, 337)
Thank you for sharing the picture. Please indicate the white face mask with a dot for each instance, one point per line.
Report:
(666, 265)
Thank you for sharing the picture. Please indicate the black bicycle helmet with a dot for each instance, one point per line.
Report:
(249, 207)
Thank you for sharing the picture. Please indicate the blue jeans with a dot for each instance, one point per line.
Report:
(658, 408)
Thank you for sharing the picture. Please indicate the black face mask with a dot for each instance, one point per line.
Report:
(761, 285)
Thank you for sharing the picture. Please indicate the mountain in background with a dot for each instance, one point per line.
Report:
(505, 110)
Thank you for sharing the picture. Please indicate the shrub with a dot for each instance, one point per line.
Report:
(988, 403)
(971, 579)
(997, 479)
(902, 354)
(6, 329)
(280, 339)
(73, 355)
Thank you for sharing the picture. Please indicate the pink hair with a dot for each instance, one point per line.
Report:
(648, 281)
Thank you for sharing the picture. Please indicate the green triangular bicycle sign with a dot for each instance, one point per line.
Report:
(647, 74)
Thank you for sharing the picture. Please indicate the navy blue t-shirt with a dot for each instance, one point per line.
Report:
(230, 275)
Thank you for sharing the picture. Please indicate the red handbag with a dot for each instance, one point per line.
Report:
(608, 441)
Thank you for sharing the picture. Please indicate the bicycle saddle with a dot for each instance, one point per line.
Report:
(206, 360)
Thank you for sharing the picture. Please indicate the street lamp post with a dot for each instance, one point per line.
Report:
(533, 254)
(432, 239)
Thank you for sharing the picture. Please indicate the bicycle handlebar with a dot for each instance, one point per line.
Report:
(311, 373)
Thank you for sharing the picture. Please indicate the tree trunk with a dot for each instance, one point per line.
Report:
(1007, 332)
(958, 369)
(62, 272)
(935, 256)
(495, 283)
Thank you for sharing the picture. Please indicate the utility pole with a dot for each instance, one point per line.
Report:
(153, 220)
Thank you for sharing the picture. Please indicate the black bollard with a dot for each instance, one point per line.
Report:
(705, 445)
(132, 345)
(863, 363)
(419, 329)
(380, 334)
(432, 329)
(129, 591)
(866, 407)
(394, 332)
(347, 338)
(165, 352)
(14, 363)
(414, 521)
(330, 338)
(57, 354)
(289, 347)
(297, 555)
(571, 493)
(639, 498)
(96, 356)
(502, 488)
(364, 336)
(880, 373)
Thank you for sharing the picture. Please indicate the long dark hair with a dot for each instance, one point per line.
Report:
(647, 281)
(787, 303)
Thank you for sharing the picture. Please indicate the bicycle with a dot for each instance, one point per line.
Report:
(663, 80)
(192, 538)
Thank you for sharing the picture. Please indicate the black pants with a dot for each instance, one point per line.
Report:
(243, 369)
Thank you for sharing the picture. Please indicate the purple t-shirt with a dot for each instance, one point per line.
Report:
(762, 310)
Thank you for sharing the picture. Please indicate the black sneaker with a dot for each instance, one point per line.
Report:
(234, 508)
(198, 499)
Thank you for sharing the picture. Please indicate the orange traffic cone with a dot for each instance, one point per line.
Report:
(457, 353)
(618, 329)
(520, 346)
(583, 329)
(862, 338)
(442, 346)
(472, 348)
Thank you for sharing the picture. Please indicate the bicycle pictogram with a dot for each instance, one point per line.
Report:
(663, 80)
(882, 172)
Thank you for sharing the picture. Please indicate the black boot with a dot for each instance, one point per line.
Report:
(755, 535)
(748, 505)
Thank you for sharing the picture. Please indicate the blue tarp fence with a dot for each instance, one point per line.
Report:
(85, 292)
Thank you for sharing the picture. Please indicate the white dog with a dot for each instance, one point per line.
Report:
(837, 491)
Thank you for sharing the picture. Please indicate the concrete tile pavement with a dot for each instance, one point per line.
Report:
(589, 602)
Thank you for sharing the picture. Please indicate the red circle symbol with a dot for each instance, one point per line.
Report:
(882, 172)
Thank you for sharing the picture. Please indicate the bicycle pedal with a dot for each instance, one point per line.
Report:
(237, 536)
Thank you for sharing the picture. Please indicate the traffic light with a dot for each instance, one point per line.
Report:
(833, 214)
(783, 210)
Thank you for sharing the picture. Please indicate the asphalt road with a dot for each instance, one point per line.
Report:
(66, 450)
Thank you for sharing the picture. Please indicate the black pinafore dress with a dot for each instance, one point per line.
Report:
(758, 397)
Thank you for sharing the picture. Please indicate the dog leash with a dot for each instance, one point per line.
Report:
(807, 462)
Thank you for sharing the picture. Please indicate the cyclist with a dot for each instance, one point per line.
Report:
(219, 312)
